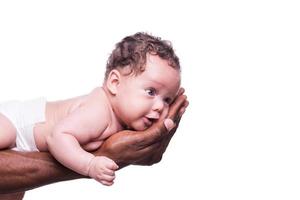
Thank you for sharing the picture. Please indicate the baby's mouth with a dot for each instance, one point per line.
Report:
(148, 121)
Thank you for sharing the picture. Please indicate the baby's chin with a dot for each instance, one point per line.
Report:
(138, 128)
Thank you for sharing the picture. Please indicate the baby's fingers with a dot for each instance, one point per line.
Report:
(107, 183)
(109, 172)
(113, 166)
(104, 177)
(110, 164)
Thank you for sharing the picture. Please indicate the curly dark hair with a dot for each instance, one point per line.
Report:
(132, 51)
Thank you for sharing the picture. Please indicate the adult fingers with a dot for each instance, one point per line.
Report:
(152, 135)
(164, 125)
(181, 91)
(183, 108)
(178, 104)
(148, 150)
(153, 154)
(169, 124)
(161, 128)
(176, 111)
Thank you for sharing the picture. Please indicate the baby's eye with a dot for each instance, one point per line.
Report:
(151, 91)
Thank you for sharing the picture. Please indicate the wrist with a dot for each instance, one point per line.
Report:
(89, 166)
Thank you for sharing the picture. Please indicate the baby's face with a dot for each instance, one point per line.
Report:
(143, 97)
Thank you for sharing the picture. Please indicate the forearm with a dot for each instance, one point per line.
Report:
(23, 171)
(65, 147)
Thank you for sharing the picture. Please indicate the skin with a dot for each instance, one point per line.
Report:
(147, 95)
(125, 148)
(79, 125)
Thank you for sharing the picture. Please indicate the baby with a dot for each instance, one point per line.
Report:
(141, 81)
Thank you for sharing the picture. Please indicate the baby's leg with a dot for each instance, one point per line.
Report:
(7, 133)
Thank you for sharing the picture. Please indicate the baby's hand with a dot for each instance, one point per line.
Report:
(102, 169)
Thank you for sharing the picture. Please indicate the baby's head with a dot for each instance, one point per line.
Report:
(131, 53)
(142, 79)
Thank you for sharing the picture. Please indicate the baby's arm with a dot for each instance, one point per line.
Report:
(80, 127)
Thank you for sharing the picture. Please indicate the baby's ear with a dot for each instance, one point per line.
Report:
(113, 81)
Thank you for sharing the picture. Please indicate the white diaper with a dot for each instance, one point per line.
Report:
(24, 115)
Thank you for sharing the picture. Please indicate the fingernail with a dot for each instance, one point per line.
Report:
(181, 112)
(169, 124)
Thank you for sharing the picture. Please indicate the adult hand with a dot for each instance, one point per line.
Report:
(145, 147)
(20, 171)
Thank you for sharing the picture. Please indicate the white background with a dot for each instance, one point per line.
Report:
(239, 138)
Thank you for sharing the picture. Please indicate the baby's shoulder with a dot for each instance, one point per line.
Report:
(96, 98)
(96, 102)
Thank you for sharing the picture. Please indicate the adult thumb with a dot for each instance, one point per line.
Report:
(169, 124)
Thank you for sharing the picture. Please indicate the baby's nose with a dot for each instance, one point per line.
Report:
(158, 105)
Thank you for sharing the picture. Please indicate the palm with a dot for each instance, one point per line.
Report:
(143, 147)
